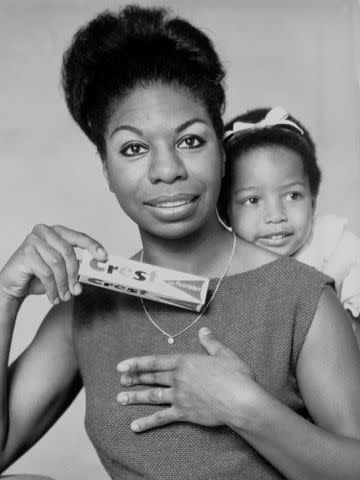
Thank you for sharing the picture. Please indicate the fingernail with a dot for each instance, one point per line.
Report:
(125, 380)
(123, 367)
(135, 427)
(67, 296)
(122, 398)
(77, 289)
(205, 331)
(101, 251)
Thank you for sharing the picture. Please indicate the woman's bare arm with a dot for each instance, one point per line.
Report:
(328, 374)
(39, 386)
(45, 379)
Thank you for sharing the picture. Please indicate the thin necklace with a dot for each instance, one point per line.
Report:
(171, 338)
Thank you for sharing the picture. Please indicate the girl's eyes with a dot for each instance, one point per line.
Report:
(251, 201)
(133, 149)
(293, 196)
(256, 201)
(190, 142)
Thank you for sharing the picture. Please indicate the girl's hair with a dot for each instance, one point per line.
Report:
(285, 135)
(117, 52)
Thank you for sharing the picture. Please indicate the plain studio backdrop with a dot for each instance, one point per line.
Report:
(301, 55)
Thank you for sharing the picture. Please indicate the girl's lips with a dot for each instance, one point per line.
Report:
(276, 239)
(277, 235)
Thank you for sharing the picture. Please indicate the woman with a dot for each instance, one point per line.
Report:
(147, 90)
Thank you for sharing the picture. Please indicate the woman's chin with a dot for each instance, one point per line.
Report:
(176, 230)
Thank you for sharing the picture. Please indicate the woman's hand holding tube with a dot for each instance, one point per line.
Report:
(201, 389)
(46, 263)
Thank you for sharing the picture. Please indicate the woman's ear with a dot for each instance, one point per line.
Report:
(106, 175)
(313, 204)
(223, 223)
(223, 161)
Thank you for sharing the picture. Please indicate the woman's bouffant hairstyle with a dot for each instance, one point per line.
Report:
(284, 135)
(137, 47)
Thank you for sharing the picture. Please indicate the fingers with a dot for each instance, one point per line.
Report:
(163, 417)
(213, 346)
(55, 246)
(42, 271)
(154, 396)
(57, 264)
(82, 240)
(152, 378)
(153, 363)
(60, 255)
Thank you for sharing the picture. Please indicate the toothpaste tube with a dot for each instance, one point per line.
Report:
(144, 280)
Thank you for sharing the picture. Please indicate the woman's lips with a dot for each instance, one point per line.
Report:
(162, 200)
(173, 207)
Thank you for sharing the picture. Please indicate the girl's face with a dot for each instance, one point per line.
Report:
(163, 160)
(270, 203)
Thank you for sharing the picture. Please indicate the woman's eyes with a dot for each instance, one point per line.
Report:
(190, 142)
(133, 149)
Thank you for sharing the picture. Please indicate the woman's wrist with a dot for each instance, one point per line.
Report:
(247, 403)
(9, 305)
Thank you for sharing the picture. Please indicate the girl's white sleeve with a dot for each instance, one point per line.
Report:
(346, 259)
(350, 289)
(333, 249)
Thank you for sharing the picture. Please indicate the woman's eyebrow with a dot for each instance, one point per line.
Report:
(126, 127)
(190, 122)
(178, 129)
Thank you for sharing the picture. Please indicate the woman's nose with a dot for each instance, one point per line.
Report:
(166, 166)
(274, 213)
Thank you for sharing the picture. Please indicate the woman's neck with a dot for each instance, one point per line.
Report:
(205, 252)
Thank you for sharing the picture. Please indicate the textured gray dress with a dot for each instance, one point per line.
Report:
(263, 315)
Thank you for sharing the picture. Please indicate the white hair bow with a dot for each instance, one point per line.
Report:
(276, 116)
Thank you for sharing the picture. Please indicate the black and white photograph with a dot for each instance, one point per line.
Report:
(180, 254)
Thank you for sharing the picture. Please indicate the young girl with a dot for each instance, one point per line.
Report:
(269, 196)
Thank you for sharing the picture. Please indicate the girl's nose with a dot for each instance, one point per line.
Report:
(275, 213)
(166, 166)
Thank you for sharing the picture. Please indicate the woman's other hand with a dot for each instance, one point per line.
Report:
(201, 389)
(46, 263)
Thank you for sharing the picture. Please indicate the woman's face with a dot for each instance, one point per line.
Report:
(163, 160)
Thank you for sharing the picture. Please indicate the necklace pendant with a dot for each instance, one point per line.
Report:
(170, 339)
